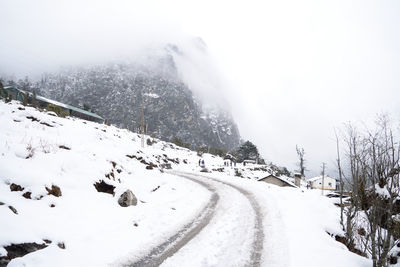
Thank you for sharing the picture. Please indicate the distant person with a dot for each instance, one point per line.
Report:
(244, 163)
(234, 163)
(202, 163)
(199, 162)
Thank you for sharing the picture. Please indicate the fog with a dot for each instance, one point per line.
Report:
(291, 72)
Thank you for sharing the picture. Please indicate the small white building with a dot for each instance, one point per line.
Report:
(316, 183)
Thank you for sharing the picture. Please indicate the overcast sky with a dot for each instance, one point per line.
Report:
(294, 70)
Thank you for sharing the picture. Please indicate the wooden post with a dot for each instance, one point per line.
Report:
(323, 178)
(142, 130)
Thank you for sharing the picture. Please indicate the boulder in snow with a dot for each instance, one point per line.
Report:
(127, 199)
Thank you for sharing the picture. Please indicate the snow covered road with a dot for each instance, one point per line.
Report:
(182, 237)
(227, 232)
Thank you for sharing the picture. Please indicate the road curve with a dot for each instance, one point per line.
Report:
(158, 254)
(167, 249)
(258, 238)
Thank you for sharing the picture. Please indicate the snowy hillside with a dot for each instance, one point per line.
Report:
(61, 180)
(165, 80)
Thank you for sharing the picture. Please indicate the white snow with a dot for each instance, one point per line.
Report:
(152, 95)
(96, 231)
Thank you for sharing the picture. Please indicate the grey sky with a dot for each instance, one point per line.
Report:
(293, 70)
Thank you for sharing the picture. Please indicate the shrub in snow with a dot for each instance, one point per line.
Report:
(15, 187)
(54, 190)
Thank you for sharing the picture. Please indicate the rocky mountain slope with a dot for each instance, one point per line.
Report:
(117, 91)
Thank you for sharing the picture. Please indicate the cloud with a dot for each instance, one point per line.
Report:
(45, 34)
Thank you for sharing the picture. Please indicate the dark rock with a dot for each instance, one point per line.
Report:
(351, 247)
(113, 164)
(135, 224)
(362, 232)
(13, 209)
(204, 170)
(149, 167)
(127, 199)
(27, 195)
(55, 191)
(1, 203)
(61, 245)
(393, 260)
(64, 147)
(103, 187)
(47, 241)
(32, 118)
(166, 166)
(15, 187)
(19, 250)
(52, 205)
(46, 124)
(155, 189)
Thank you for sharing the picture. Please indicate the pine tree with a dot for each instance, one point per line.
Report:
(247, 151)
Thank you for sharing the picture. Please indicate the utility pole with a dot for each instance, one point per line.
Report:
(323, 177)
(142, 126)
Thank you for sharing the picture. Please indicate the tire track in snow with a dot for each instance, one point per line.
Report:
(258, 239)
(158, 254)
(167, 249)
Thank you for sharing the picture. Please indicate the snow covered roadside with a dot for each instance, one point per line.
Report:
(296, 225)
(86, 227)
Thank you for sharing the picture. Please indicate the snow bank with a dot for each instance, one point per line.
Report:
(296, 226)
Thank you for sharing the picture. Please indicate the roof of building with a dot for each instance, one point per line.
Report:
(318, 178)
(69, 107)
(229, 156)
(279, 178)
(51, 101)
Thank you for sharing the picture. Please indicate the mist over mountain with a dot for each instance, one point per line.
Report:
(177, 102)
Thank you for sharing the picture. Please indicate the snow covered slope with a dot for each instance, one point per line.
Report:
(52, 214)
(38, 151)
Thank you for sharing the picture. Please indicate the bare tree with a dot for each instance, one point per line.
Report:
(373, 172)
(302, 161)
